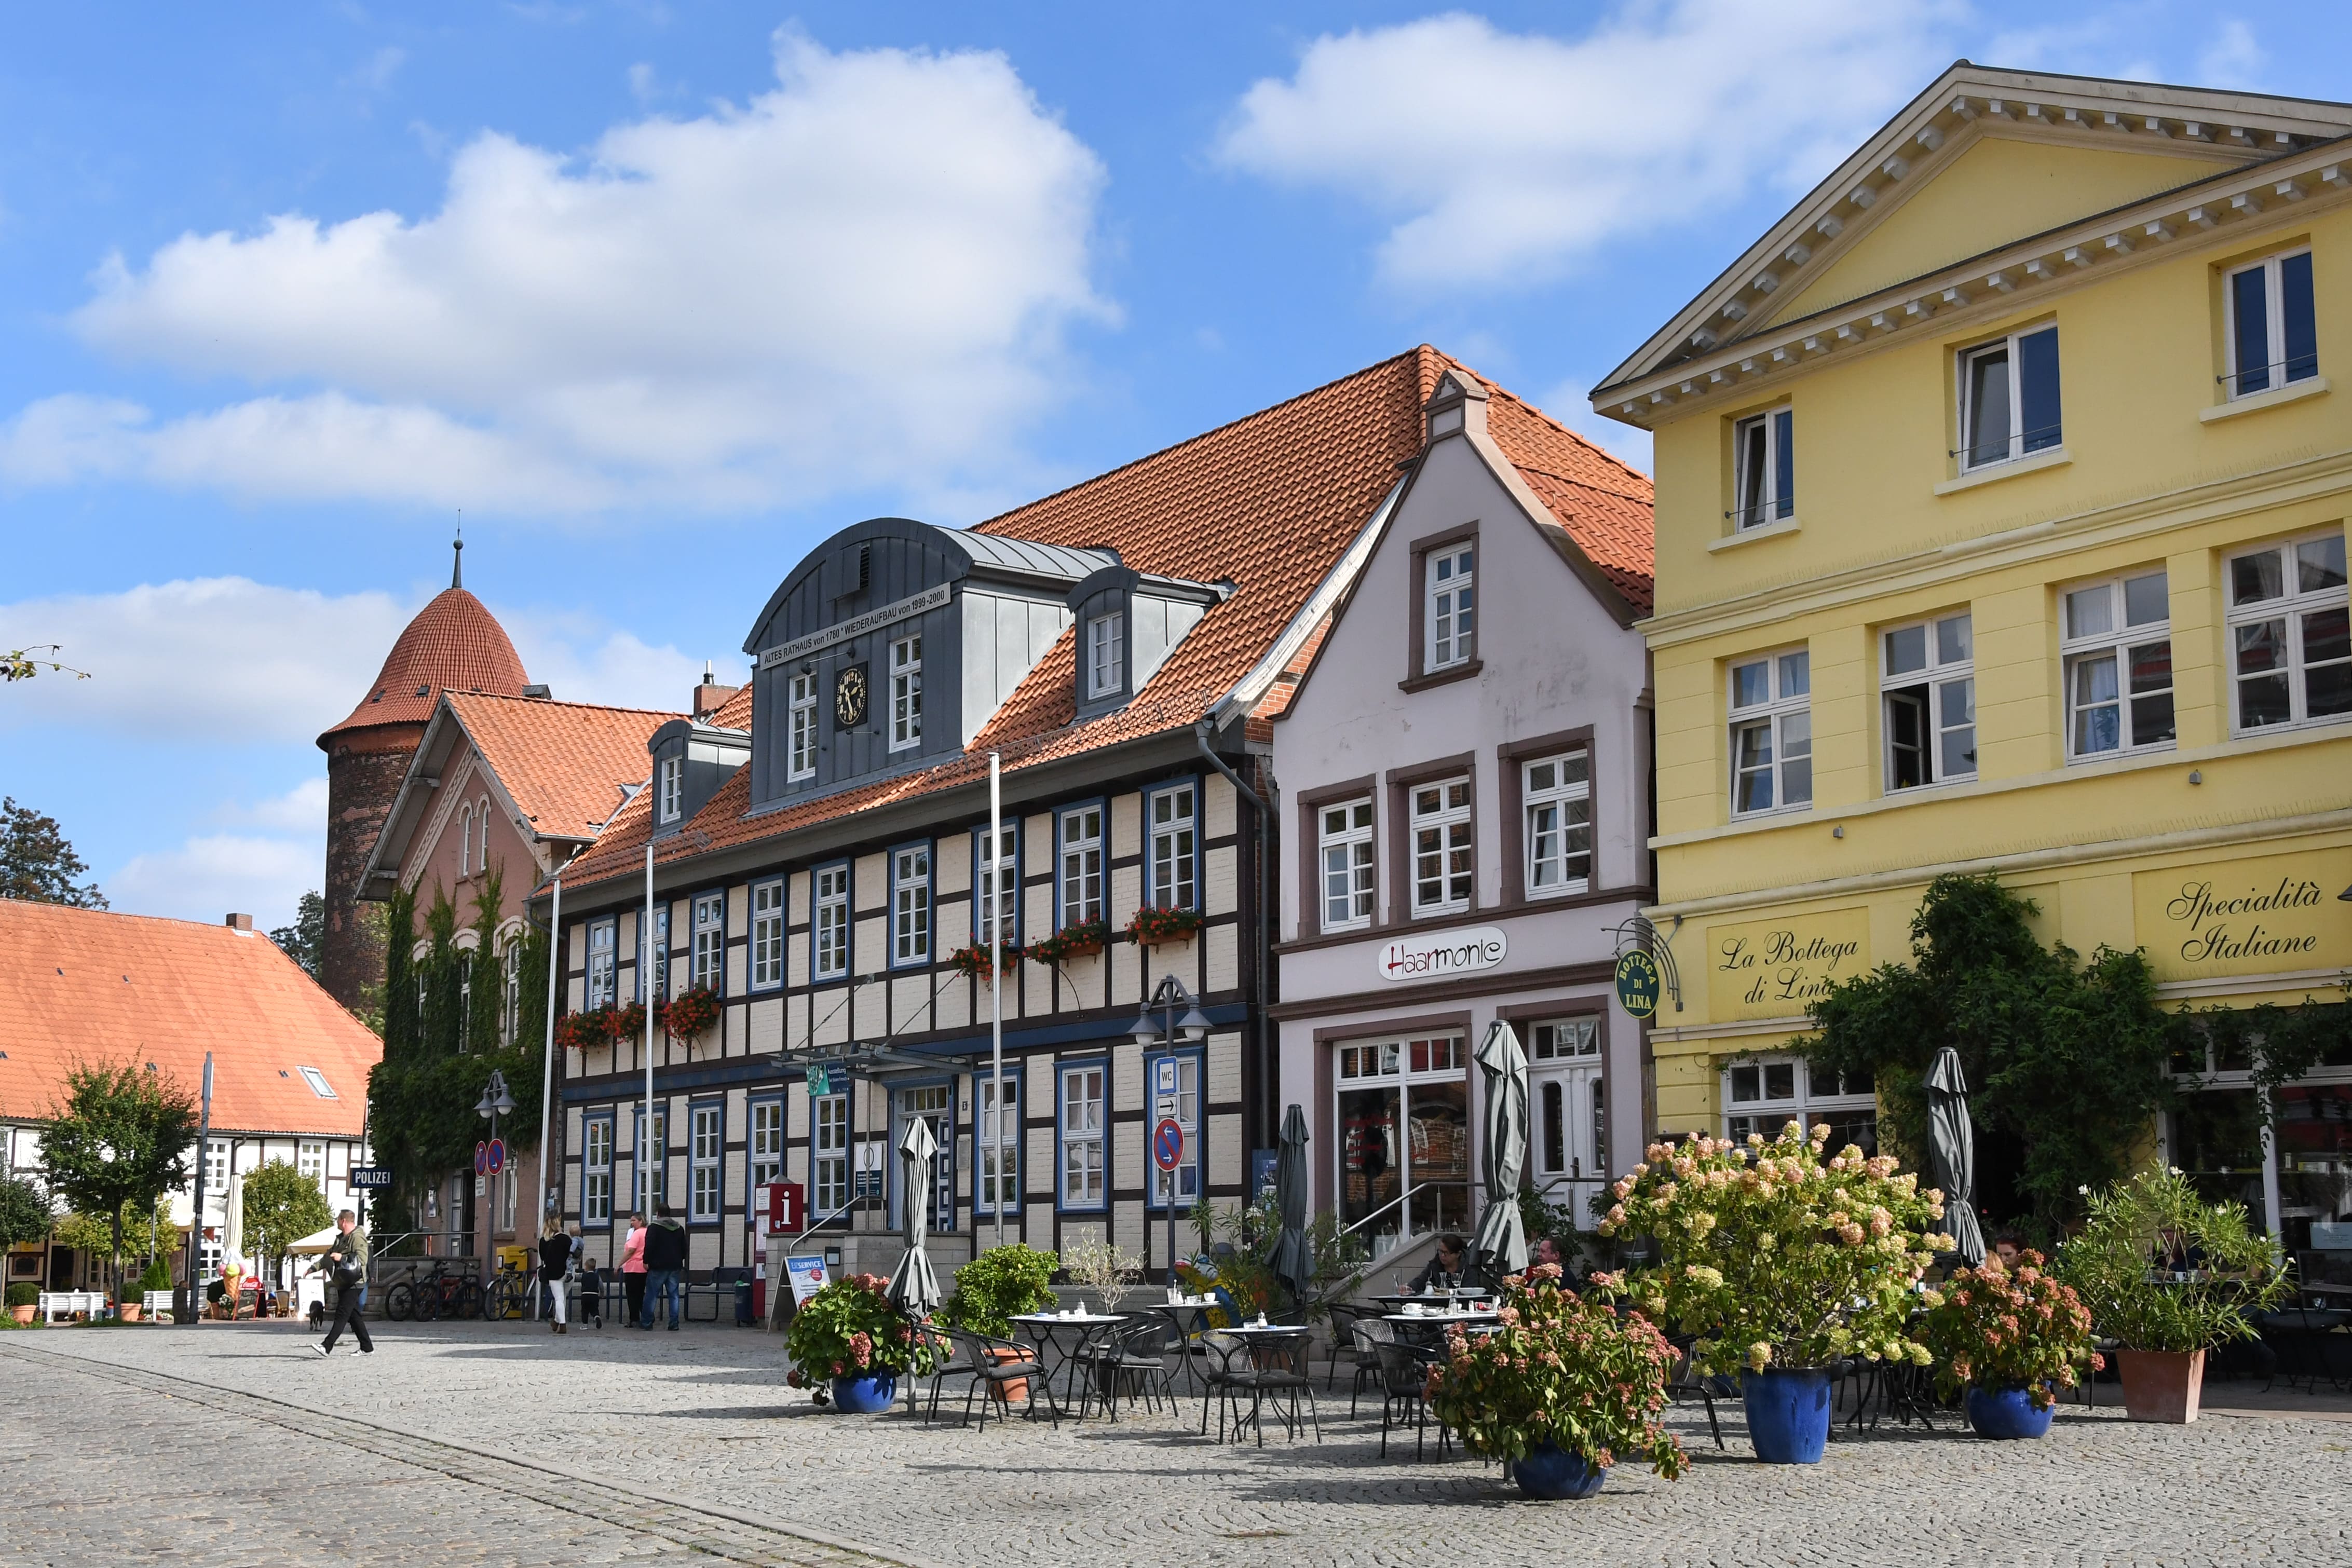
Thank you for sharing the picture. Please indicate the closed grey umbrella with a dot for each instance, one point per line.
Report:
(914, 1288)
(1294, 1259)
(1501, 1244)
(1952, 1154)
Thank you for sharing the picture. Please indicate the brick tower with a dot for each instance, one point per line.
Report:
(454, 644)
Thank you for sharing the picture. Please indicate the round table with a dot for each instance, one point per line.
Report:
(1049, 1330)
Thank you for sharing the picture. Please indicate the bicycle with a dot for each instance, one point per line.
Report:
(510, 1293)
(435, 1293)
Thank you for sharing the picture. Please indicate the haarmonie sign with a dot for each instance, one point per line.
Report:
(1443, 952)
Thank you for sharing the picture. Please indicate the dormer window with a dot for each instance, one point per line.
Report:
(1453, 606)
(1106, 654)
(906, 693)
(670, 790)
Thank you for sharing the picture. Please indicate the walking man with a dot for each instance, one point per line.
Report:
(346, 1266)
(664, 1256)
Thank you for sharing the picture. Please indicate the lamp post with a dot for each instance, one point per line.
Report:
(494, 1103)
(1162, 1031)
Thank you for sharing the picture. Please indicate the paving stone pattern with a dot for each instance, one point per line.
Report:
(703, 1415)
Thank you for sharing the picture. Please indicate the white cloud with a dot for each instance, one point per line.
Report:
(2233, 58)
(301, 810)
(1504, 158)
(233, 661)
(209, 876)
(865, 275)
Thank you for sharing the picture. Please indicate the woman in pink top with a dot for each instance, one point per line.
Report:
(632, 1267)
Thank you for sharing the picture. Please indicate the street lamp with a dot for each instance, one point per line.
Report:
(1162, 1031)
(494, 1103)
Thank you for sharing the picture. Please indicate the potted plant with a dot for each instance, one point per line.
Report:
(850, 1332)
(2010, 1338)
(997, 1286)
(690, 1014)
(23, 1302)
(129, 1307)
(1562, 1390)
(578, 1031)
(627, 1022)
(1780, 1262)
(2169, 1276)
(1102, 1267)
(1159, 924)
(974, 961)
(1078, 941)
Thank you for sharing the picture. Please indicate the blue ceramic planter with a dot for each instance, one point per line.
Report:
(2006, 1413)
(1788, 1413)
(865, 1395)
(1552, 1471)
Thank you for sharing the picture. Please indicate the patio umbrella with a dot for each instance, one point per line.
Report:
(1294, 1261)
(1501, 1245)
(1952, 1154)
(233, 1222)
(318, 1242)
(914, 1288)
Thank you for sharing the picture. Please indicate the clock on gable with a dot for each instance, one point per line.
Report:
(849, 698)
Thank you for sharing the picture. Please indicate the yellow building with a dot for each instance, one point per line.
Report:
(2002, 493)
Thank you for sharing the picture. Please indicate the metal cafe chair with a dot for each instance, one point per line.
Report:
(1367, 1335)
(997, 1365)
(1404, 1397)
(955, 1361)
(1683, 1384)
(1282, 1370)
(1137, 1361)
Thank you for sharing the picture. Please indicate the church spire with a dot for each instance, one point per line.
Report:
(458, 558)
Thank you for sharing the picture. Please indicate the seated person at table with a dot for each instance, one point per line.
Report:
(1444, 1269)
(1547, 1251)
(2175, 1253)
(2006, 1245)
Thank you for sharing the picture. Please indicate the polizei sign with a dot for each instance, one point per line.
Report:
(1444, 953)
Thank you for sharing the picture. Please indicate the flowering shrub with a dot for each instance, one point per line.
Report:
(627, 1022)
(1162, 924)
(971, 959)
(1773, 1256)
(2002, 1329)
(1000, 1285)
(2159, 1221)
(689, 1014)
(578, 1031)
(1070, 941)
(849, 1328)
(1560, 1370)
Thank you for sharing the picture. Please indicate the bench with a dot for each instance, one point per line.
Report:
(92, 1303)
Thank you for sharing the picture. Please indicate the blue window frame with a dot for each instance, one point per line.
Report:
(658, 966)
(603, 987)
(709, 953)
(764, 1151)
(934, 1102)
(657, 1164)
(984, 880)
(1082, 1137)
(829, 920)
(1081, 856)
(768, 922)
(996, 1143)
(1174, 1085)
(1172, 857)
(705, 1162)
(909, 934)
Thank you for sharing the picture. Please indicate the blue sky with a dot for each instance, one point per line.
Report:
(658, 295)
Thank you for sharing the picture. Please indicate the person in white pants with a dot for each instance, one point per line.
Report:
(555, 1249)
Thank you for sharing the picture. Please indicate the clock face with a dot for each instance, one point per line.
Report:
(849, 698)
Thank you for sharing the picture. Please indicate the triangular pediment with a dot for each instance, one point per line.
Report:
(1983, 157)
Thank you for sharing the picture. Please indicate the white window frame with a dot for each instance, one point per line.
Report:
(1347, 863)
(1808, 1100)
(996, 1164)
(1775, 430)
(653, 962)
(996, 885)
(828, 1155)
(801, 727)
(603, 958)
(708, 965)
(1557, 810)
(653, 1164)
(706, 1151)
(1450, 605)
(829, 922)
(1106, 654)
(2080, 651)
(482, 837)
(670, 789)
(767, 935)
(910, 905)
(2275, 366)
(596, 1171)
(1173, 815)
(2014, 440)
(1947, 671)
(311, 1160)
(1079, 861)
(318, 1083)
(1083, 1103)
(764, 1156)
(1379, 1063)
(1785, 715)
(1441, 825)
(510, 990)
(907, 692)
(2295, 608)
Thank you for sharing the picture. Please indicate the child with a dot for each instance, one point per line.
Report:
(591, 1293)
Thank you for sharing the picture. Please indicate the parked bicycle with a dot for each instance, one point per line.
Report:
(435, 1292)
(508, 1295)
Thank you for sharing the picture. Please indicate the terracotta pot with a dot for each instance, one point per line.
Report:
(131, 1311)
(24, 1315)
(1169, 939)
(2163, 1385)
(1018, 1388)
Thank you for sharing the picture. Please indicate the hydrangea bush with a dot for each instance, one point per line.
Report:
(1775, 1256)
(1560, 1370)
(850, 1329)
(2000, 1329)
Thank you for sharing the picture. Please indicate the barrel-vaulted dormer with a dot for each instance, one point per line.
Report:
(690, 761)
(892, 643)
(1128, 622)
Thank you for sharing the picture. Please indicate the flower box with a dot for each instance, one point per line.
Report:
(1071, 942)
(973, 960)
(689, 1015)
(1159, 925)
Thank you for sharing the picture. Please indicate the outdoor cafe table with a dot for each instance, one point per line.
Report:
(1061, 1341)
(1189, 1320)
(1426, 1343)
(1253, 1338)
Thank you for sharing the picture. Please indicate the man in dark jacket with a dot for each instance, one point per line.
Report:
(664, 1256)
(346, 1265)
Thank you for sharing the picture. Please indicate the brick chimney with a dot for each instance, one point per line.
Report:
(710, 697)
(239, 922)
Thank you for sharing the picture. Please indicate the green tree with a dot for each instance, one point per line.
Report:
(400, 1012)
(281, 1207)
(306, 939)
(37, 864)
(2066, 1057)
(121, 1136)
(25, 1213)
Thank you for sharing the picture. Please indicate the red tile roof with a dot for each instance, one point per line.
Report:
(563, 764)
(87, 985)
(455, 645)
(1270, 501)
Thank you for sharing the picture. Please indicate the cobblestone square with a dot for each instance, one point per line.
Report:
(506, 1444)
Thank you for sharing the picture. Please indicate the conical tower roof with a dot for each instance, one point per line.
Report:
(454, 644)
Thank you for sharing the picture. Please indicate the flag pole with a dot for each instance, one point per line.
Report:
(996, 966)
(645, 1154)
